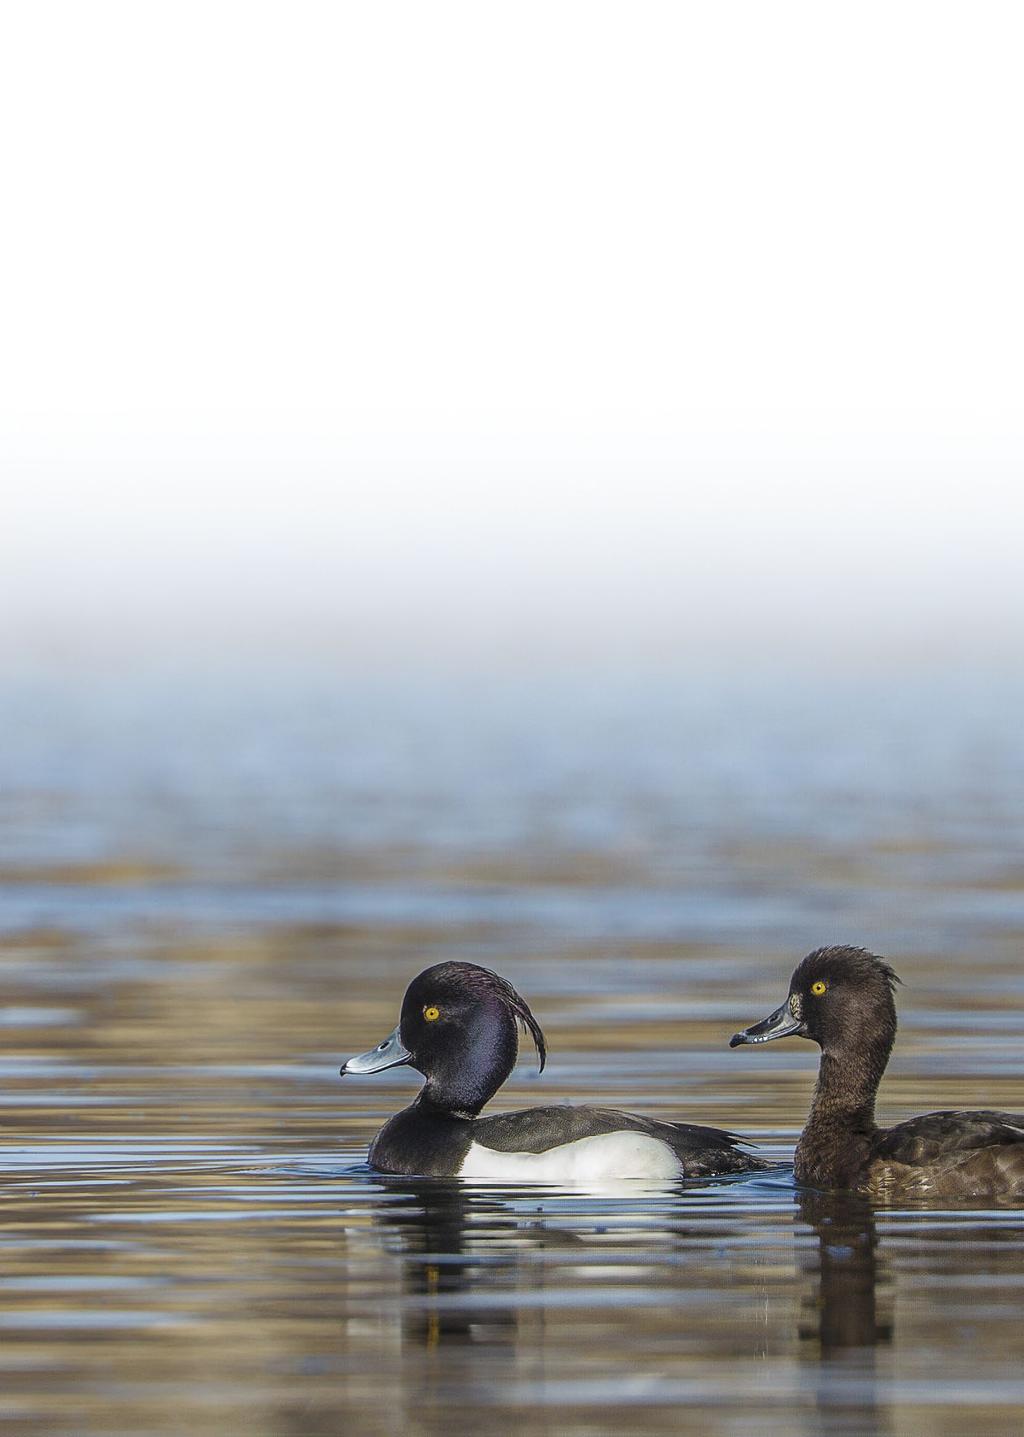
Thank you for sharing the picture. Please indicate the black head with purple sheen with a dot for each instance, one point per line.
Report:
(459, 1029)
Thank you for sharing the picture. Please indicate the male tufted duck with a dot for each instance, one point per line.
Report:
(458, 1028)
(842, 999)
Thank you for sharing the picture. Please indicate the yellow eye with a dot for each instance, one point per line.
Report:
(431, 1014)
(818, 988)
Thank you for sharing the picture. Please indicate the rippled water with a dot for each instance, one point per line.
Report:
(209, 895)
(182, 1288)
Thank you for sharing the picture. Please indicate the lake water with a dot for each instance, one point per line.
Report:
(215, 886)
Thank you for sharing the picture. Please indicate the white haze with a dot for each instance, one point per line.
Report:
(551, 326)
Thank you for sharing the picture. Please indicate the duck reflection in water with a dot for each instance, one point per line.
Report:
(482, 1276)
(845, 1309)
(431, 1231)
(451, 1292)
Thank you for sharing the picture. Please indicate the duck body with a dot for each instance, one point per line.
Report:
(949, 1154)
(553, 1144)
(842, 999)
(458, 1028)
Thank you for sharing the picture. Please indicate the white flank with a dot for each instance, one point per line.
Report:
(607, 1155)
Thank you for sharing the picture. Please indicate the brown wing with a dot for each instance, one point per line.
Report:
(937, 1136)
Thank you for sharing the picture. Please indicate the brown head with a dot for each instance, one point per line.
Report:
(841, 999)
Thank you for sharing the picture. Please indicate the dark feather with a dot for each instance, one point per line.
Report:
(935, 1136)
(519, 1008)
(471, 978)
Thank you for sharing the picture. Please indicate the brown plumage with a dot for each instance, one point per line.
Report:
(842, 999)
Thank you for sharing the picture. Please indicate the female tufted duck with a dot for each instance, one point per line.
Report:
(458, 1028)
(842, 999)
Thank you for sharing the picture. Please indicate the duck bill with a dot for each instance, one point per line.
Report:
(389, 1054)
(779, 1024)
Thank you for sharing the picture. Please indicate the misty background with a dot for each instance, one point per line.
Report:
(578, 332)
(534, 484)
(449, 431)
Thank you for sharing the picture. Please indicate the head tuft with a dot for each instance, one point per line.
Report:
(852, 965)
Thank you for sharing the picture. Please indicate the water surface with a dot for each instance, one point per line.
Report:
(212, 891)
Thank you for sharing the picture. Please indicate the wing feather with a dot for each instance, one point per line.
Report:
(934, 1136)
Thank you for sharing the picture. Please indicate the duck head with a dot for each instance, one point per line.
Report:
(458, 1028)
(839, 998)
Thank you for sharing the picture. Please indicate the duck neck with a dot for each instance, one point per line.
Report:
(845, 1093)
(456, 1101)
(835, 1142)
